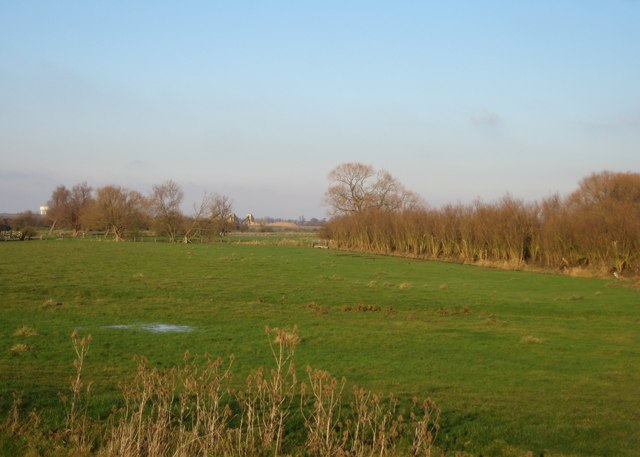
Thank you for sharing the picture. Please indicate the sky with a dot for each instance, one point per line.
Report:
(258, 101)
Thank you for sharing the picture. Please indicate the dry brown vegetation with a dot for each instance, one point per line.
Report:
(25, 331)
(595, 229)
(19, 349)
(195, 410)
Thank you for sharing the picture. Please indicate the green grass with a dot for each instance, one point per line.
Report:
(518, 361)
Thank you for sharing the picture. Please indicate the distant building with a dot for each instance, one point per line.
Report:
(231, 217)
(43, 210)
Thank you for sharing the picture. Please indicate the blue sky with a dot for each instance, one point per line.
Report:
(260, 100)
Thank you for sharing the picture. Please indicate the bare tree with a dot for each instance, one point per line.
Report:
(68, 208)
(214, 214)
(119, 210)
(608, 204)
(607, 186)
(81, 202)
(59, 208)
(349, 187)
(196, 223)
(221, 214)
(164, 205)
(356, 187)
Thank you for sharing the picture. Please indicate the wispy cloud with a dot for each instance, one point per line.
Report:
(21, 175)
(484, 118)
(139, 164)
(620, 124)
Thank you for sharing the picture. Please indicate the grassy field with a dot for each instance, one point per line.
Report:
(517, 361)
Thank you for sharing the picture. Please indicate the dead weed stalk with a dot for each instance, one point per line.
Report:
(77, 425)
(193, 410)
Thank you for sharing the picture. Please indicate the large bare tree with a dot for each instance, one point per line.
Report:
(81, 202)
(221, 214)
(213, 215)
(119, 210)
(194, 224)
(69, 208)
(59, 207)
(356, 187)
(606, 187)
(164, 205)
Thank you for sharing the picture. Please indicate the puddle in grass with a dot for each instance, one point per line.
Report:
(154, 328)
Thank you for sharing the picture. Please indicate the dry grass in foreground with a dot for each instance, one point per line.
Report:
(193, 410)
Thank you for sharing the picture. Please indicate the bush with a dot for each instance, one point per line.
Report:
(27, 233)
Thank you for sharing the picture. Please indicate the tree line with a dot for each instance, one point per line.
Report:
(122, 213)
(597, 226)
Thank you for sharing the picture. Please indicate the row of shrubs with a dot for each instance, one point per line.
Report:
(596, 227)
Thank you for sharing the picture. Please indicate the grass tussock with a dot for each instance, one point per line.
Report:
(405, 285)
(455, 311)
(362, 308)
(51, 303)
(19, 349)
(193, 410)
(25, 331)
(316, 308)
(494, 321)
(572, 297)
(444, 286)
(529, 339)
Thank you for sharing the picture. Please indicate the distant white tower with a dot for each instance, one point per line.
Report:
(43, 210)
